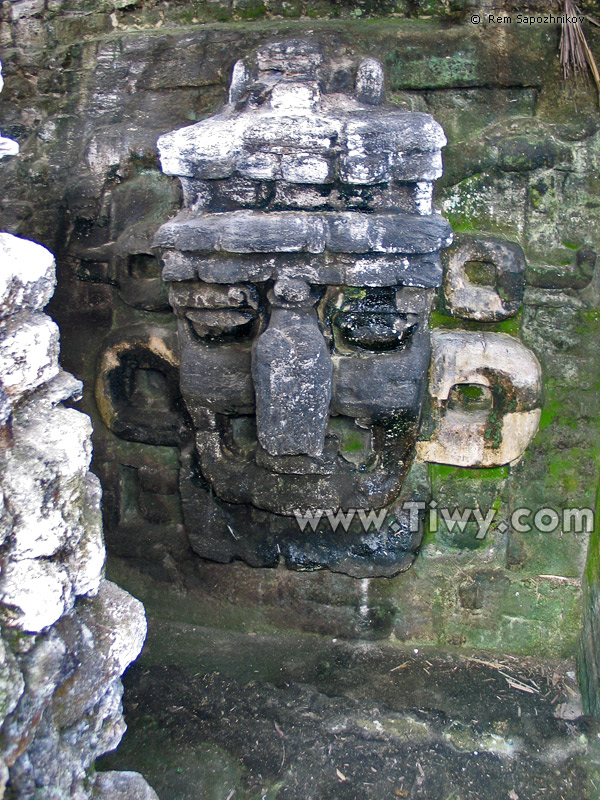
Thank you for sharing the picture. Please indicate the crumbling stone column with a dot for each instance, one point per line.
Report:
(67, 634)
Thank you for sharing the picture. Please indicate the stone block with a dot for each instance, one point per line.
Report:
(44, 480)
(501, 369)
(37, 591)
(104, 635)
(382, 384)
(292, 372)
(484, 278)
(26, 8)
(301, 231)
(28, 354)
(369, 87)
(11, 681)
(122, 786)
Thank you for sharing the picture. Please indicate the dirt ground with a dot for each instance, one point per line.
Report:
(221, 715)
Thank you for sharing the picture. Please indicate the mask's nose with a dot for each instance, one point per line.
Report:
(292, 373)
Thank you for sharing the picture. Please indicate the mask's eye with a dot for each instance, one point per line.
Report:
(221, 325)
(376, 330)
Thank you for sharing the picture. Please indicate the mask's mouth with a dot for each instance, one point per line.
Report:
(349, 447)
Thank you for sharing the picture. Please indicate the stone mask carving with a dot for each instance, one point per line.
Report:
(302, 272)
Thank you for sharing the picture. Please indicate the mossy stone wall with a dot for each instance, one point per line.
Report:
(90, 85)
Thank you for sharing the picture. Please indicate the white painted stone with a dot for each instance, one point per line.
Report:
(295, 96)
(25, 8)
(460, 439)
(39, 592)
(471, 301)
(465, 357)
(44, 482)
(424, 197)
(204, 150)
(294, 132)
(8, 147)
(27, 275)
(259, 166)
(305, 169)
(479, 302)
(85, 564)
(124, 620)
(53, 552)
(371, 145)
(239, 82)
(370, 81)
(28, 354)
(122, 786)
(63, 387)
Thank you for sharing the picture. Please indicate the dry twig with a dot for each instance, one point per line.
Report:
(575, 54)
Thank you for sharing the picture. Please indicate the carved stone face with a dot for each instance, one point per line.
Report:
(303, 396)
(302, 271)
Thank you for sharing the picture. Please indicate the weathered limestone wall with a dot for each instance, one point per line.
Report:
(90, 87)
(67, 634)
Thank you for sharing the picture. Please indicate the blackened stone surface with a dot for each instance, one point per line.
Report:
(224, 531)
(340, 269)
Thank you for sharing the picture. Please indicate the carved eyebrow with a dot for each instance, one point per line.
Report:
(196, 295)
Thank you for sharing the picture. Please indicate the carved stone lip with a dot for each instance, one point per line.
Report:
(420, 270)
(301, 481)
(328, 463)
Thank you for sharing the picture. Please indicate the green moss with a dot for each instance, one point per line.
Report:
(592, 567)
(443, 471)
(511, 326)
(552, 406)
(353, 443)
(250, 9)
